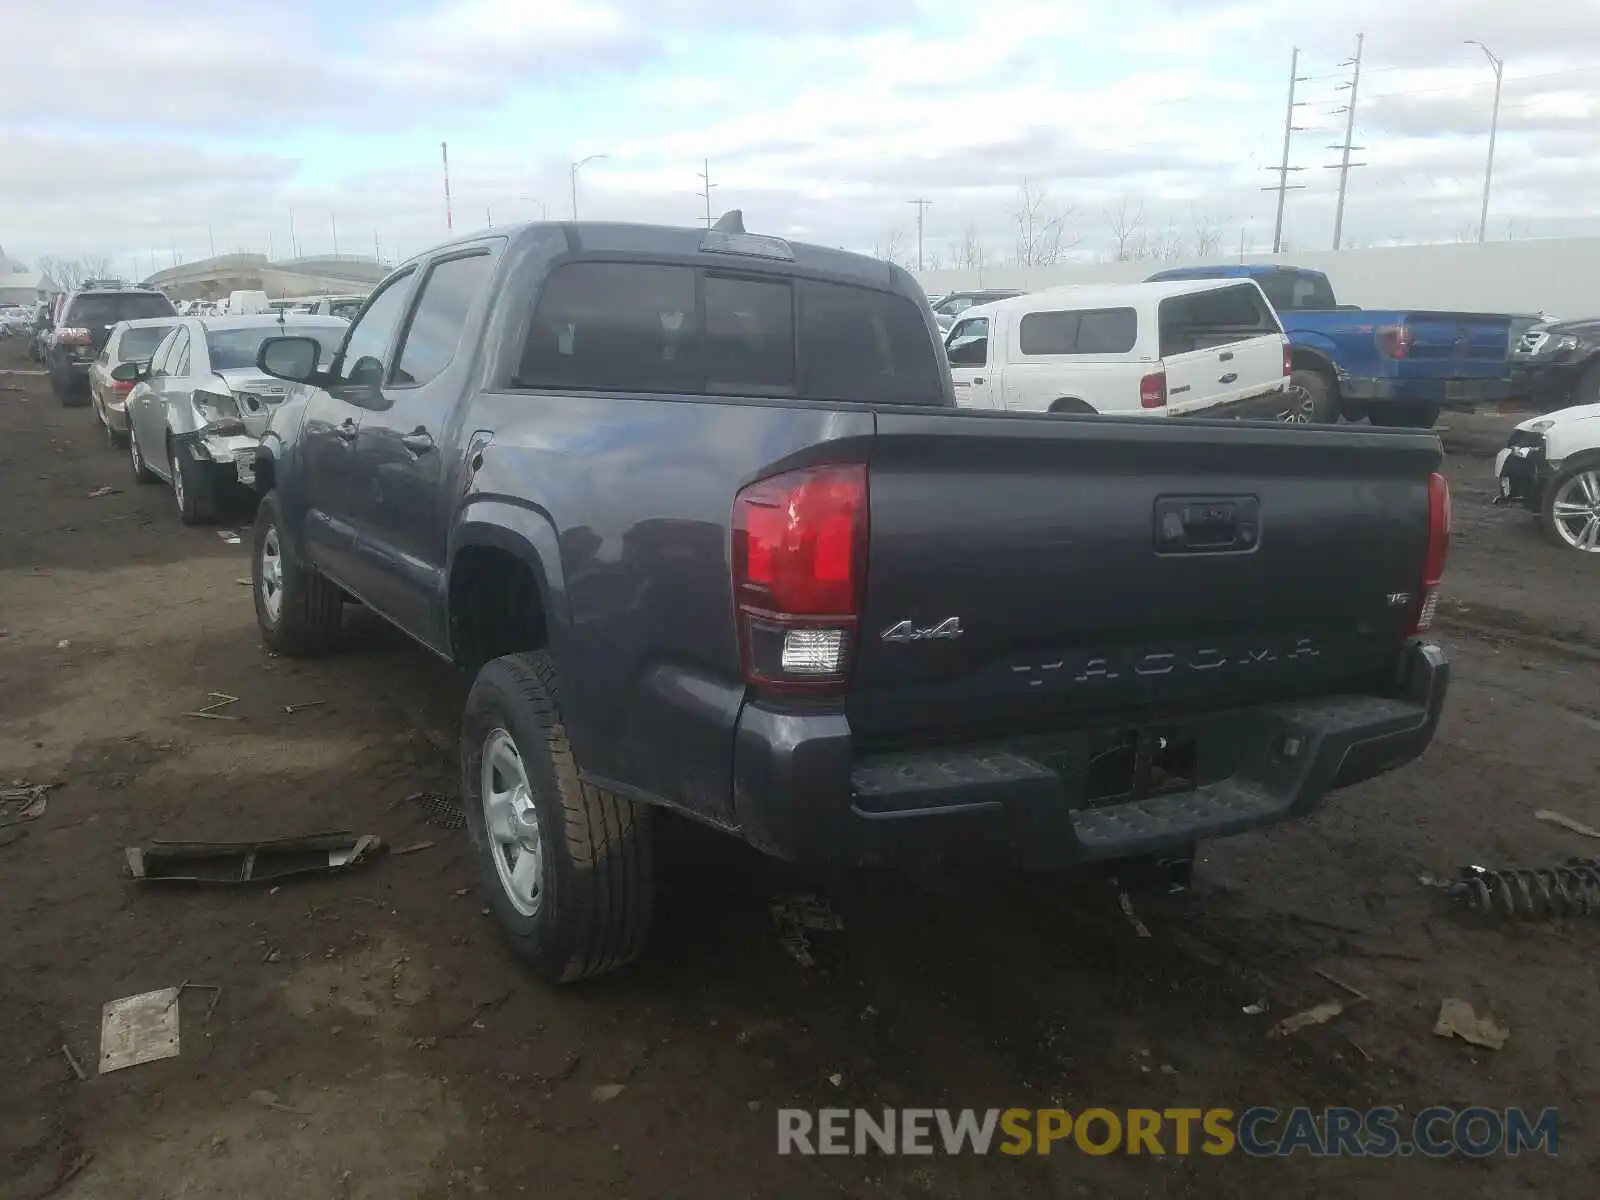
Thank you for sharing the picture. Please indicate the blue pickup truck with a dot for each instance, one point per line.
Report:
(1395, 367)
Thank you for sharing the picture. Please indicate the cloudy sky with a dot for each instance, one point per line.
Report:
(148, 129)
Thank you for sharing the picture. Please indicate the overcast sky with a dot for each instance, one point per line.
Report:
(148, 128)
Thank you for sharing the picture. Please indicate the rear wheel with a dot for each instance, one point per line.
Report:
(66, 391)
(1570, 510)
(297, 610)
(141, 471)
(1311, 398)
(194, 484)
(568, 867)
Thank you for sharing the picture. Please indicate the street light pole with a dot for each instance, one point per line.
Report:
(1494, 128)
(544, 214)
(576, 167)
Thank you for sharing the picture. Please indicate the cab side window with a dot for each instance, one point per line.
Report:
(969, 343)
(369, 339)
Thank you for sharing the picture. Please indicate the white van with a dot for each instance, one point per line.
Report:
(1211, 346)
(247, 304)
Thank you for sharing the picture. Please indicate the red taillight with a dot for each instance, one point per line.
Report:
(73, 337)
(1288, 360)
(1153, 390)
(1394, 340)
(1438, 550)
(799, 563)
(121, 385)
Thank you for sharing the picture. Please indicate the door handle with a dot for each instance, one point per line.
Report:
(418, 441)
(1226, 356)
(346, 432)
(979, 379)
(1230, 377)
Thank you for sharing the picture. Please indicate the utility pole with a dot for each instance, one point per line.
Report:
(294, 242)
(922, 207)
(212, 237)
(1494, 127)
(1283, 187)
(377, 253)
(333, 223)
(444, 153)
(270, 256)
(488, 213)
(705, 180)
(1345, 164)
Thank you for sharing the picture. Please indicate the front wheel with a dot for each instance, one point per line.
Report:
(568, 867)
(298, 611)
(1570, 511)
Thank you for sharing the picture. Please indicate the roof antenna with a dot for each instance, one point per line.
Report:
(731, 221)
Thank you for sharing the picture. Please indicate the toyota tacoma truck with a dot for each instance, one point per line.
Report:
(697, 513)
(1394, 367)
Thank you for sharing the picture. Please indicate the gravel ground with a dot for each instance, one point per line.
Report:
(374, 1039)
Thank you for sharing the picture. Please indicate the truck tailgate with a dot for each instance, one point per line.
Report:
(1032, 574)
(1470, 342)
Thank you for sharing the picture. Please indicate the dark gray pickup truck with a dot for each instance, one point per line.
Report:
(697, 511)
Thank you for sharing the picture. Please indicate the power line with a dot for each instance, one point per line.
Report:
(1283, 187)
(1345, 147)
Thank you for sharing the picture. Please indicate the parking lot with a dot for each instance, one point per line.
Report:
(373, 1038)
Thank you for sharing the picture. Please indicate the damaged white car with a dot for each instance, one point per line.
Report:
(200, 404)
(1551, 466)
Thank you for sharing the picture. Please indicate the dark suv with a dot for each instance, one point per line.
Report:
(87, 319)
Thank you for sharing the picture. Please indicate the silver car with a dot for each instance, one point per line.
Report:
(200, 404)
(130, 341)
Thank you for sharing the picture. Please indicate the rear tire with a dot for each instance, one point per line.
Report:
(1312, 398)
(1404, 416)
(194, 485)
(141, 472)
(568, 867)
(65, 391)
(298, 611)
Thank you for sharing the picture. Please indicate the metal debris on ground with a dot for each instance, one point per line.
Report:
(218, 700)
(797, 915)
(1457, 1019)
(606, 1092)
(270, 1100)
(414, 848)
(23, 802)
(1125, 903)
(1530, 893)
(244, 583)
(139, 1029)
(1320, 1014)
(1550, 817)
(72, 1061)
(108, 490)
(1254, 1010)
(228, 536)
(63, 644)
(439, 810)
(250, 862)
(291, 709)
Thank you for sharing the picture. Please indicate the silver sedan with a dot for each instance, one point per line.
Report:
(200, 403)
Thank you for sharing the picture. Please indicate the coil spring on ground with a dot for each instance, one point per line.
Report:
(1533, 893)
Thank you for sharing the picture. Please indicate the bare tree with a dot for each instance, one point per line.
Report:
(1041, 228)
(1207, 233)
(1127, 227)
(95, 266)
(934, 260)
(70, 273)
(969, 255)
(893, 249)
(1164, 245)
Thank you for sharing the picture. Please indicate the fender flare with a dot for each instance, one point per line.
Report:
(528, 533)
(1073, 405)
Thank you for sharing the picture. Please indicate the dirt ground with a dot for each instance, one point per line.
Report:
(374, 1039)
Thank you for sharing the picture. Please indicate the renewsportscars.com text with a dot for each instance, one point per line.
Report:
(1261, 1132)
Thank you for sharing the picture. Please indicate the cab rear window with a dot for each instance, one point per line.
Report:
(643, 327)
(108, 309)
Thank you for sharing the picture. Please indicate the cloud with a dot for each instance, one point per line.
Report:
(167, 125)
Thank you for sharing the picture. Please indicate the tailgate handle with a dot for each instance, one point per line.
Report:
(1207, 524)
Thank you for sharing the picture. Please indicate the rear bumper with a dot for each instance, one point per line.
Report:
(1445, 392)
(801, 794)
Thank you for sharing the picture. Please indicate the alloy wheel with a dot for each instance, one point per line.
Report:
(512, 822)
(1575, 512)
(272, 575)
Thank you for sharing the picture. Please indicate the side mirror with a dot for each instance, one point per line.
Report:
(130, 372)
(290, 358)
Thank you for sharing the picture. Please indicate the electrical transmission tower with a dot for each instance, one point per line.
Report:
(705, 179)
(1283, 187)
(1344, 164)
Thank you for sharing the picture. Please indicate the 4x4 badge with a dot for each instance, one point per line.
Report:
(946, 630)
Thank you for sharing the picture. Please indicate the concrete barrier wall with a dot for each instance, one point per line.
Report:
(1559, 276)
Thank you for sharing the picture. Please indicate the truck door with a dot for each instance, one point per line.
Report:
(968, 351)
